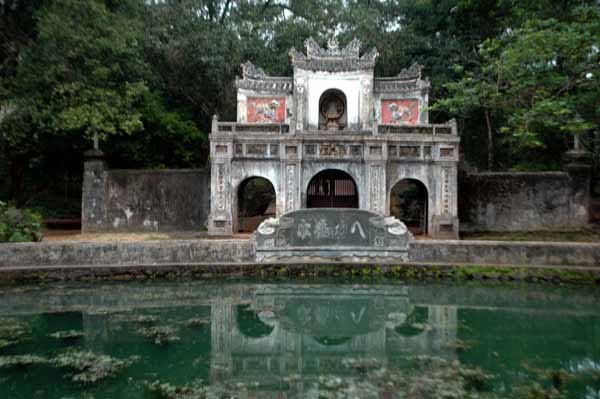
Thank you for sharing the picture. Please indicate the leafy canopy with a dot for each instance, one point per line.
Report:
(541, 80)
(85, 73)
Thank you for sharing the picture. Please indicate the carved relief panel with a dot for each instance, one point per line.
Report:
(290, 189)
(266, 110)
(400, 112)
(365, 112)
(375, 188)
(446, 194)
(299, 99)
(220, 187)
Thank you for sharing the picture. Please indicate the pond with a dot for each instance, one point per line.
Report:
(299, 339)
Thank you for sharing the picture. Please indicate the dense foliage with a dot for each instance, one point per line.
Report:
(537, 85)
(19, 225)
(145, 77)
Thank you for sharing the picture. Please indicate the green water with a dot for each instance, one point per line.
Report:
(303, 339)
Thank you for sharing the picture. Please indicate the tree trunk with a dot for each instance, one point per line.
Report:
(488, 122)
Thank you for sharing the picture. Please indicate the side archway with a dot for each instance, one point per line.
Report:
(256, 201)
(409, 202)
(332, 188)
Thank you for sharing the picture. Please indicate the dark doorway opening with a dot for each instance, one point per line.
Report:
(256, 202)
(408, 202)
(332, 189)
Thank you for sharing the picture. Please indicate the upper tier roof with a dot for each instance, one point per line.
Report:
(333, 58)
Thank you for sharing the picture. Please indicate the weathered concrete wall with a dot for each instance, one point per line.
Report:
(523, 201)
(217, 253)
(144, 200)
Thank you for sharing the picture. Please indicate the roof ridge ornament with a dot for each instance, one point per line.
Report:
(314, 50)
(251, 71)
(333, 58)
(333, 46)
(255, 78)
(412, 72)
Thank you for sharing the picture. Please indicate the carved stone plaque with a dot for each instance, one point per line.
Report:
(332, 150)
(332, 233)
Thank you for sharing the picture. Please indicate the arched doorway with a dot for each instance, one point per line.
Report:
(332, 188)
(408, 202)
(256, 202)
(333, 110)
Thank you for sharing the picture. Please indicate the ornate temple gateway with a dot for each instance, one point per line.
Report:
(333, 135)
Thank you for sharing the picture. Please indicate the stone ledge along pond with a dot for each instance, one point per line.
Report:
(306, 338)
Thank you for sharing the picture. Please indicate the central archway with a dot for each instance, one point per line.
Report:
(332, 188)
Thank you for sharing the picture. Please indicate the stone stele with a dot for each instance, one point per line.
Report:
(344, 234)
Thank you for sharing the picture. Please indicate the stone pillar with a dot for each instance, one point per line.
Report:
(94, 195)
(300, 96)
(220, 221)
(366, 104)
(291, 159)
(444, 212)
(578, 166)
(375, 177)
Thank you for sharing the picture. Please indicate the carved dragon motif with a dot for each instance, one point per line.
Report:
(250, 71)
(412, 72)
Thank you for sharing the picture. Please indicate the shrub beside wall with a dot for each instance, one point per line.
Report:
(19, 225)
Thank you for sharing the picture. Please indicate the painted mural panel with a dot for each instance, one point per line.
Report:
(400, 112)
(266, 109)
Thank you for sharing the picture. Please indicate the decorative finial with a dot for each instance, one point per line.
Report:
(332, 44)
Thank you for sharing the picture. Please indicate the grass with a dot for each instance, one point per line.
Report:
(588, 235)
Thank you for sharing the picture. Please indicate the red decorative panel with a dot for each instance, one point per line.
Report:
(400, 112)
(266, 109)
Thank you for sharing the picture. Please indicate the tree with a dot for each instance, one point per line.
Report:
(84, 76)
(542, 80)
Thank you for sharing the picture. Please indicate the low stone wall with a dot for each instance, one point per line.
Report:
(168, 252)
(523, 201)
(144, 200)
(506, 253)
(226, 252)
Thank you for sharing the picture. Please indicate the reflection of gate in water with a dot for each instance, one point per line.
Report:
(332, 189)
(313, 330)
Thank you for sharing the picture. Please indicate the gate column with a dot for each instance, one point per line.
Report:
(220, 220)
(291, 159)
(374, 197)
